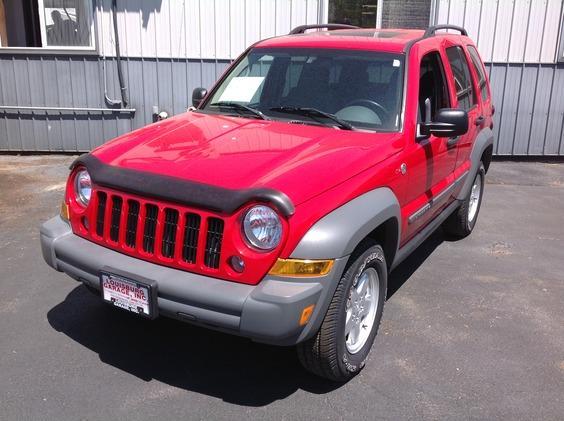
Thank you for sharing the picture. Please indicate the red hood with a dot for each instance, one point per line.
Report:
(299, 160)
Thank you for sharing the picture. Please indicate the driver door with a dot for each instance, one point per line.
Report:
(431, 159)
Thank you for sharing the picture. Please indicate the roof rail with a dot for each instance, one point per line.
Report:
(328, 26)
(432, 29)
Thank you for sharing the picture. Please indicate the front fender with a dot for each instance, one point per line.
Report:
(338, 233)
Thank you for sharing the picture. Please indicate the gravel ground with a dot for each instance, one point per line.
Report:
(473, 329)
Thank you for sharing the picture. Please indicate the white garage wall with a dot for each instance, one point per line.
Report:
(508, 31)
(518, 39)
(198, 29)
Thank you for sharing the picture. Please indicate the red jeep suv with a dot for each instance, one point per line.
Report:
(276, 207)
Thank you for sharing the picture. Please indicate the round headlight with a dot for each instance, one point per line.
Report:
(262, 227)
(83, 187)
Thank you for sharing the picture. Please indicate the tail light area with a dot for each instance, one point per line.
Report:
(169, 234)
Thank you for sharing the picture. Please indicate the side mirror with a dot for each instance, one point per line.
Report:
(197, 95)
(449, 122)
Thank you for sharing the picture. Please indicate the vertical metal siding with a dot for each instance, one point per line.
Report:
(198, 29)
(515, 31)
(518, 40)
(53, 81)
(78, 82)
(170, 48)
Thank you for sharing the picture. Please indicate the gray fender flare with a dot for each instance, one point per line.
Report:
(484, 139)
(338, 233)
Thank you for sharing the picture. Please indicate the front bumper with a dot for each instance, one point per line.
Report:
(268, 312)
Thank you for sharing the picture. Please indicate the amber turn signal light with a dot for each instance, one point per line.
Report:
(306, 314)
(64, 211)
(301, 268)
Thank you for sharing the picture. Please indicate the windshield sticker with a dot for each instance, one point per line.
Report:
(241, 89)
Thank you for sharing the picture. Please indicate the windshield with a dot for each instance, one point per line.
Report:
(345, 89)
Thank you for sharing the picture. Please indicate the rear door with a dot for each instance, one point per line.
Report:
(481, 85)
(467, 99)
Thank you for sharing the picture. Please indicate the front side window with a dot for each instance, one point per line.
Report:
(363, 89)
(462, 80)
(432, 86)
(47, 23)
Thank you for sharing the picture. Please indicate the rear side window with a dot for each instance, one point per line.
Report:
(477, 63)
(462, 80)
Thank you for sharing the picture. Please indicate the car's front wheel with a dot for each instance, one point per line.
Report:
(339, 350)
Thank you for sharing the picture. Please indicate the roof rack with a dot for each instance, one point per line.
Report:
(432, 29)
(328, 26)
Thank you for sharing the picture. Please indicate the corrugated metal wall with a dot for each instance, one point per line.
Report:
(519, 41)
(73, 81)
(206, 29)
(171, 47)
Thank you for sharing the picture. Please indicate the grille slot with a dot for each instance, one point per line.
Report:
(213, 243)
(151, 213)
(159, 231)
(132, 220)
(169, 233)
(116, 216)
(191, 234)
(100, 213)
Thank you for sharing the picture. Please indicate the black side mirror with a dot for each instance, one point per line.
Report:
(197, 95)
(449, 122)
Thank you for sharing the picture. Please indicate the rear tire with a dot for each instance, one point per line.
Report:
(339, 350)
(463, 220)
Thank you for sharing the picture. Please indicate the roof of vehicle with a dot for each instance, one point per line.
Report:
(388, 40)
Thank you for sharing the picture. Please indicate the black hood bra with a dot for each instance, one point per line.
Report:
(183, 192)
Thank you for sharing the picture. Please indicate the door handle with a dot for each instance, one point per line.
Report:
(479, 120)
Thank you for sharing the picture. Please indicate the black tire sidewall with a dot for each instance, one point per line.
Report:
(471, 224)
(372, 257)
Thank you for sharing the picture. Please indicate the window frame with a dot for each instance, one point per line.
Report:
(474, 97)
(442, 69)
(92, 49)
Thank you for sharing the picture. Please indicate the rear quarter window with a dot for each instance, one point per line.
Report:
(478, 66)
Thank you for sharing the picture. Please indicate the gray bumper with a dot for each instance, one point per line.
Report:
(267, 312)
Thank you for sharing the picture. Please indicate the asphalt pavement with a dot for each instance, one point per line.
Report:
(473, 329)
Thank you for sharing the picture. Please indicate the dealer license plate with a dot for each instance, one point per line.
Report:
(127, 294)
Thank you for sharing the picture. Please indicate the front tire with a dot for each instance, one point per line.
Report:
(339, 350)
(463, 220)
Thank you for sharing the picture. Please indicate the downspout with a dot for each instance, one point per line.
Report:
(122, 87)
(323, 11)
(434, 13)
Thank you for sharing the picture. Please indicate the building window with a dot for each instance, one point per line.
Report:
(353, 12)
(57, 24)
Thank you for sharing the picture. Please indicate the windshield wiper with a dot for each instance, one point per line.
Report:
(238, 106)
(314, 112)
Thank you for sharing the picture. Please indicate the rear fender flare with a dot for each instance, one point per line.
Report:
(484, 139)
